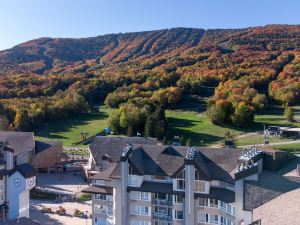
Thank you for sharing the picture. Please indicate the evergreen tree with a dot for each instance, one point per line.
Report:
(149, 127)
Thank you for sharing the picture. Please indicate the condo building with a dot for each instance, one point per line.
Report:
(164, 185)
(20, 159)
(17, 178)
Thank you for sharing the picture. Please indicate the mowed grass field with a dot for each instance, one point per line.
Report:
(68, 130)
(196, 126)
(188, 123)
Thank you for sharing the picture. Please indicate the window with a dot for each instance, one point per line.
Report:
(213, 203)
(100, 197)
(233, 209)
(144, 210)
(140, 222)
(100, 208)
(214, 219)
(203, 218)
(145, 196)
(203, 202)
(199, 186)
(178, 199)
(140, 210)
(160, 210)
(134, 195)
(197, 175)
(180, 180)
(223, 205)
(99, 182)
(133, 180)
(223, 220)
(180, 184)
(178, 215)
(229, 208)
(160, 196)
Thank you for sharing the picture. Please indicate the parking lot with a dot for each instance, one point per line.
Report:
(65, 183)
(55, 219)
(61, 182)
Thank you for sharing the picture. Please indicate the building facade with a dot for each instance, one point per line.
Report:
(17, 179)
(164, 185)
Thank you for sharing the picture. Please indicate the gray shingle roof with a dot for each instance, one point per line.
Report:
(213, 163)
(41, 146)
(222, 194)
(107, 173)
(26, 170)
(270, 186)
(113, 146)
(19, 141)
(98, 190)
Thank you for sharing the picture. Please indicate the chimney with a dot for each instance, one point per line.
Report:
(8, 157)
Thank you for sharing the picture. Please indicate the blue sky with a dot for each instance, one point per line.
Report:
(23, 20)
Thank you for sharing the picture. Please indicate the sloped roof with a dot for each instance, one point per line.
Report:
(270, 185)
(41, 146)
(105, 174)
(18, 141)
(98, 190)
(113, 146)
(26, 170)
(213, 163)
(281, 210)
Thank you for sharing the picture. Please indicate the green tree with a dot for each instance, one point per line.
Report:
(289, 114)
(150, 126)
(216, 114)
(243, 116)
(22, 120)
(114, 121)
(4, 123)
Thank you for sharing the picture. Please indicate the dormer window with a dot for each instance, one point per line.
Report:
(180, 180)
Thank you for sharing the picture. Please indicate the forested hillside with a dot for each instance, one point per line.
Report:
(144, 73)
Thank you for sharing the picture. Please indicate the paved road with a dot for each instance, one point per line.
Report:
(279, 143)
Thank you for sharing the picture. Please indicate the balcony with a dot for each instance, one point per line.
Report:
(161, 216)
(162, 202)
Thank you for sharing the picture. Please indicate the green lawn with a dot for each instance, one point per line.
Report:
(189, 124)
(68, 130)
(203, 132)
(197, 127)
(288, 147)
(257, 139)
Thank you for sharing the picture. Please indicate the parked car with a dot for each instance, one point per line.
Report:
(46, 210)
(61, 211)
